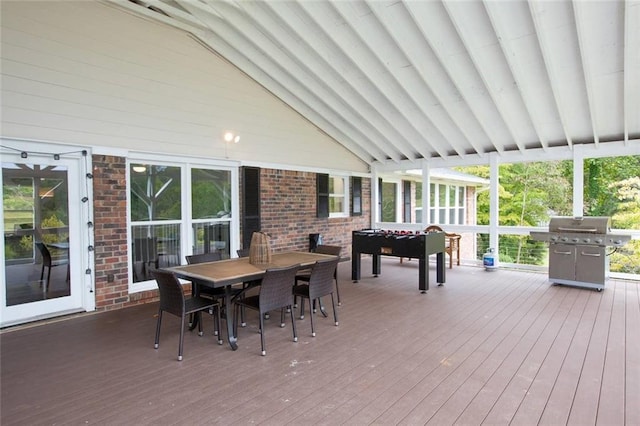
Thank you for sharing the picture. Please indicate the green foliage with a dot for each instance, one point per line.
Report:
(599, 173)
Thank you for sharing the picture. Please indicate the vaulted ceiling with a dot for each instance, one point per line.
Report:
(396, 81)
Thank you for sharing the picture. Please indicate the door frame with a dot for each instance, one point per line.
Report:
(81, 255)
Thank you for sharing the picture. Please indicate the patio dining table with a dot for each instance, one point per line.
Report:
(225, 273)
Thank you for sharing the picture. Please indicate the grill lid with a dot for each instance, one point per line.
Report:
(591, 224)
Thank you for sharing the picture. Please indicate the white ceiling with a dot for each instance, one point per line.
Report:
(409, 80)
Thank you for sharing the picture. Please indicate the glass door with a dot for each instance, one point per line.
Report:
(42, 245)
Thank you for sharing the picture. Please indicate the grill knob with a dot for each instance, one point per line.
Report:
(554, 238)
(617, 242)
(564, 239)
(575, 240)
(598, 241)
(587, 240)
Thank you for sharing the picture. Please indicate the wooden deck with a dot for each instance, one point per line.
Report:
(487, 348)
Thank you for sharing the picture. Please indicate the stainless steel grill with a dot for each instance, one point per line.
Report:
(577, 250)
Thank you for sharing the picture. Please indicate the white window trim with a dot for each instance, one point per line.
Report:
(186, 221)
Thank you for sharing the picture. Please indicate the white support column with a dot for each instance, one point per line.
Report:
(426, 188)
(578, 181)
(375, 195)
(494, 205)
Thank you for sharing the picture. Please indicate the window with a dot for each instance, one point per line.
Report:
(332, 196)
(447, 204)
(211, 210)
(356, 196)
(388, 208)
(159, 199)
(338, 201)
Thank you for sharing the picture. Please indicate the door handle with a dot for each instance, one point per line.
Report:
(562, 252)
(590, 254)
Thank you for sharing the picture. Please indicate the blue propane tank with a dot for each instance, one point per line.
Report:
(490, 260)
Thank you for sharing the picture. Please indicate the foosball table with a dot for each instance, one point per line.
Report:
(417, 245)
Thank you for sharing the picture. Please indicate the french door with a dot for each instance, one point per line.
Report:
(45, 268)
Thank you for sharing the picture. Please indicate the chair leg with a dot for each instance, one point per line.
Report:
(335, 312)
(313, 331)
(181, 338)
(282, 323)
(301, 308)
(322, 309)
(264, 352)
(235, 318)
(46, 284)
(199, 316)
(157, 343)
(216, 323)
(293, 325)
(338, 293)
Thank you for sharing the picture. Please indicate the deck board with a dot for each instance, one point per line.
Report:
(486, 348)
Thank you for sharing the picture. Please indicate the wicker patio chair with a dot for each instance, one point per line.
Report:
(324, 249)
(320, 284)
(173, 301)
(275, 293)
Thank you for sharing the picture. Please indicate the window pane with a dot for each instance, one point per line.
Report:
(452, 196)
(461, 217)
(211, 237)
(210, 193)
(452, 216)
(432, 195)
(336, 204)
(461, 197)
(154, 246)
(155, 192)
(442, 196)
(388, 202)
(442, 216)
(336, 185)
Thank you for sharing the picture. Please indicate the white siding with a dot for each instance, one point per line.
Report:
(89, 74)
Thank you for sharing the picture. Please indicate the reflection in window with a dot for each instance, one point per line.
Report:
(211, 211)
(155, 192)
(155, 203)
(388, 202)
(338, 196)
(210, 194)
(154, 246)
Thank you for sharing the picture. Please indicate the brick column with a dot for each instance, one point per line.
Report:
(110, 232)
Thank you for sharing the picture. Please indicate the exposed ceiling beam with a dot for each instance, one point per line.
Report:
(426, 18)
(458, 13)
(497, 17)
(358, 64)
(369, 33)
(537, 10)
(585, 54)
(406, 43)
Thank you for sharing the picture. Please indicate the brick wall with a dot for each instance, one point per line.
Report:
(288, 212)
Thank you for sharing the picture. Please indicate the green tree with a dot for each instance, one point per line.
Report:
(599, 173)
(528, 194)
(627, 216)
